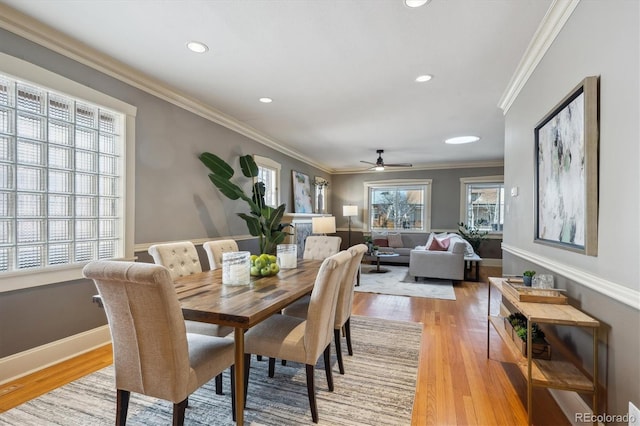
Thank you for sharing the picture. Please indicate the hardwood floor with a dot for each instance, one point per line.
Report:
(457, 384)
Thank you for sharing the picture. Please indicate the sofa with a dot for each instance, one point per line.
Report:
(429, 255)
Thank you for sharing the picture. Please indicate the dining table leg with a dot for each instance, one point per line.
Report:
(239, 372)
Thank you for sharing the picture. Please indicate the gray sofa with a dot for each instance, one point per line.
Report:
(447, 264)
(409, 242)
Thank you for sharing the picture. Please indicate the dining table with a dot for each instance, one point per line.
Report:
(203, 297)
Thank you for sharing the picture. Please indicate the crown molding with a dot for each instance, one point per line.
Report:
(435, 166)
(550, 26)
(37, 32)
(620, 293)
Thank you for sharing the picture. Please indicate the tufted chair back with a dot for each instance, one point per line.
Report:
(215, 249)
(318, 247)
(179, 258)
(345, 294)
(152, 353)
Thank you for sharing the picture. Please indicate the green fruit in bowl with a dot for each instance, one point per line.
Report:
(265, 272)
(259, 263)
(274, 268)
(255, 271)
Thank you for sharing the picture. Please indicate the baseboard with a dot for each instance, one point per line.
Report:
(572, 405)
(18, 365)
(491, 262)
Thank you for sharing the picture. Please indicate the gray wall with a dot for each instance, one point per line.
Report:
(445, 199)
(174, 198)
(600, 38)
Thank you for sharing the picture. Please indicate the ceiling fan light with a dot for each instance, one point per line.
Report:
(461, 139)
(379, 168)
(423, 78)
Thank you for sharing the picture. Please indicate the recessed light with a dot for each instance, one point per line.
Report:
(462, 139)
(196, 46)
(415, 3)
(423, 78)
(266, 100)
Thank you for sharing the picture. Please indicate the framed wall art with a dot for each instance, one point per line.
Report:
(566, 172)
(301, 193)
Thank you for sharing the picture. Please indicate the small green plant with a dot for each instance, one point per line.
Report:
(528, 273)
(519, 323)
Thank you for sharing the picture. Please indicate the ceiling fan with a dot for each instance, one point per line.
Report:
(380, 165)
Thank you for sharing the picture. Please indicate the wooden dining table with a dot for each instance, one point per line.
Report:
(204, 298)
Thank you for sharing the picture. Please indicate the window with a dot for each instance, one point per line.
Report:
(63, 198)
(269, 174)
(482, 203)
(399, 204)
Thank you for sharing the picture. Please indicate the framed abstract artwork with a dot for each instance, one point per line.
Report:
(301, 193)
(566, 172)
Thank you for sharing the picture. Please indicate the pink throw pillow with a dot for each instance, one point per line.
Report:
(437, 246)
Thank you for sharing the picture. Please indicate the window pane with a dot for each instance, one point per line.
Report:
(397, 208)
(56, 154)
(485, 206)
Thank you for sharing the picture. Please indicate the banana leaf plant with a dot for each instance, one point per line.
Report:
(263, 221)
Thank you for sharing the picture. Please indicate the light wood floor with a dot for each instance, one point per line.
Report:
(457, 384)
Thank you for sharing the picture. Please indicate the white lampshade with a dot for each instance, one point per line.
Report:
(350, 210)
(323, 225)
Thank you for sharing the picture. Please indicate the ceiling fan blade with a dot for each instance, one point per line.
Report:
(368, 162)
(399, 165)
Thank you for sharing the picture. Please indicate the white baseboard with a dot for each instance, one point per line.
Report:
(18, 365)
(571, 405)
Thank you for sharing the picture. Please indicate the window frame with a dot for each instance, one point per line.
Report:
(464, 182)
(32, 74)
(395, 183)
(270, 164)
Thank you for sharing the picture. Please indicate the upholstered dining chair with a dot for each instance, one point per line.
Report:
(319, 247)
(214, 250)
(152, 351)
(181, 258)
(303, 340)
(344, 303)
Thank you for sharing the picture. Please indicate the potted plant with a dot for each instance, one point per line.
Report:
(527, 276)
(262, 221)
(472, 234)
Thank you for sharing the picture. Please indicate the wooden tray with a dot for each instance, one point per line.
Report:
(531, 294)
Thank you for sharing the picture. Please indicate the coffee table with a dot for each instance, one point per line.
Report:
(379, 256)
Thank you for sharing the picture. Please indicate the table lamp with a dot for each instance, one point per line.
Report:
(323, 225)
(350, 210)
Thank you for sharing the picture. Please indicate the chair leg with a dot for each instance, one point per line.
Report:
(347, 335)
(311, 393)
(232, 376)
(178, 413)
(122, 405)
(272, 366)
(336, 338)
(219, 384)
(259, 357)
(247, 365)
(327, 366)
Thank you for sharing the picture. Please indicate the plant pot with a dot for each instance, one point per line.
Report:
(527, 281)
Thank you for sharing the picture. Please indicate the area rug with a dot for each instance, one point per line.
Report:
(397, 281)
(377, 388)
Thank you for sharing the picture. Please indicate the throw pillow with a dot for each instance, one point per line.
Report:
(429, 240)
(444, 242)
(436, 246)
(395, 240)
(381, 242)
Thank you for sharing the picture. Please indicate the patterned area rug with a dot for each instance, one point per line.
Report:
(398, 282)
(377, 388)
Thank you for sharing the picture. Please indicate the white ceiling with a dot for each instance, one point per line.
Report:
(341, 72)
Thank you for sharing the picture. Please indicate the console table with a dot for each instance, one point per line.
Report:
(552, 373)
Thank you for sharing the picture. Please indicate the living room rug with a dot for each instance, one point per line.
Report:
(377, 388)
(398, 282)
